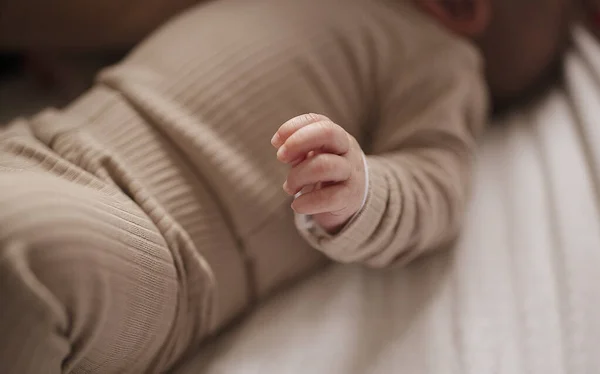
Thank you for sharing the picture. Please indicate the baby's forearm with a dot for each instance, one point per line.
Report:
(415, 204)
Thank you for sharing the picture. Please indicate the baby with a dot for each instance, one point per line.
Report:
(147, 214)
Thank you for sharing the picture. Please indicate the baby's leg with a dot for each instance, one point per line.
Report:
(87, 282)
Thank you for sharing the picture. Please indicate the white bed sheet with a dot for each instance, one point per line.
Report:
(519, 294)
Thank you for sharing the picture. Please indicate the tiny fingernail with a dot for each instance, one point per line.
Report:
(285, 187)
(276, 140)
(282, 153)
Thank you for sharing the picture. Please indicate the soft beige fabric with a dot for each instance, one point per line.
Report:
(153, 203)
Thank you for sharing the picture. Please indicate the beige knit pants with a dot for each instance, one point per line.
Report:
(115, 255)
(95, 274)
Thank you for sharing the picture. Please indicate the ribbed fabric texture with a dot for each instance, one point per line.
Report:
(410, 92)
(171, 147)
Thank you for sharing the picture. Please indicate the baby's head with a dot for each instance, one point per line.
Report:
(521, 40)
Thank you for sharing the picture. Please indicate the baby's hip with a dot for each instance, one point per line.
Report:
(250, 250)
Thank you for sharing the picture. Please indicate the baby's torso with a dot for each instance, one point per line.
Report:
(208, 91)
(239, 69)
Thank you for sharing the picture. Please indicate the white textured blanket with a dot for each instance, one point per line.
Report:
(520, 294)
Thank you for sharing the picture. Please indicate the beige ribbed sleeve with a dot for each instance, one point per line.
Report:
(419, 171)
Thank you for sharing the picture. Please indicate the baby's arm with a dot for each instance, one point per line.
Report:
(420, 172)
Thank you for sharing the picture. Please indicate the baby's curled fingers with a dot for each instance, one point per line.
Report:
(320, 137)
(324, 167)
(290, 127)
(329, 199)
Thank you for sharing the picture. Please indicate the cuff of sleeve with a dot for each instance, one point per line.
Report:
(345, 245)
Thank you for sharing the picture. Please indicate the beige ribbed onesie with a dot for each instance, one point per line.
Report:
(148, 213)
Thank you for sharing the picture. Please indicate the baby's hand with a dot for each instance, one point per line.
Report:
(326, 166)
